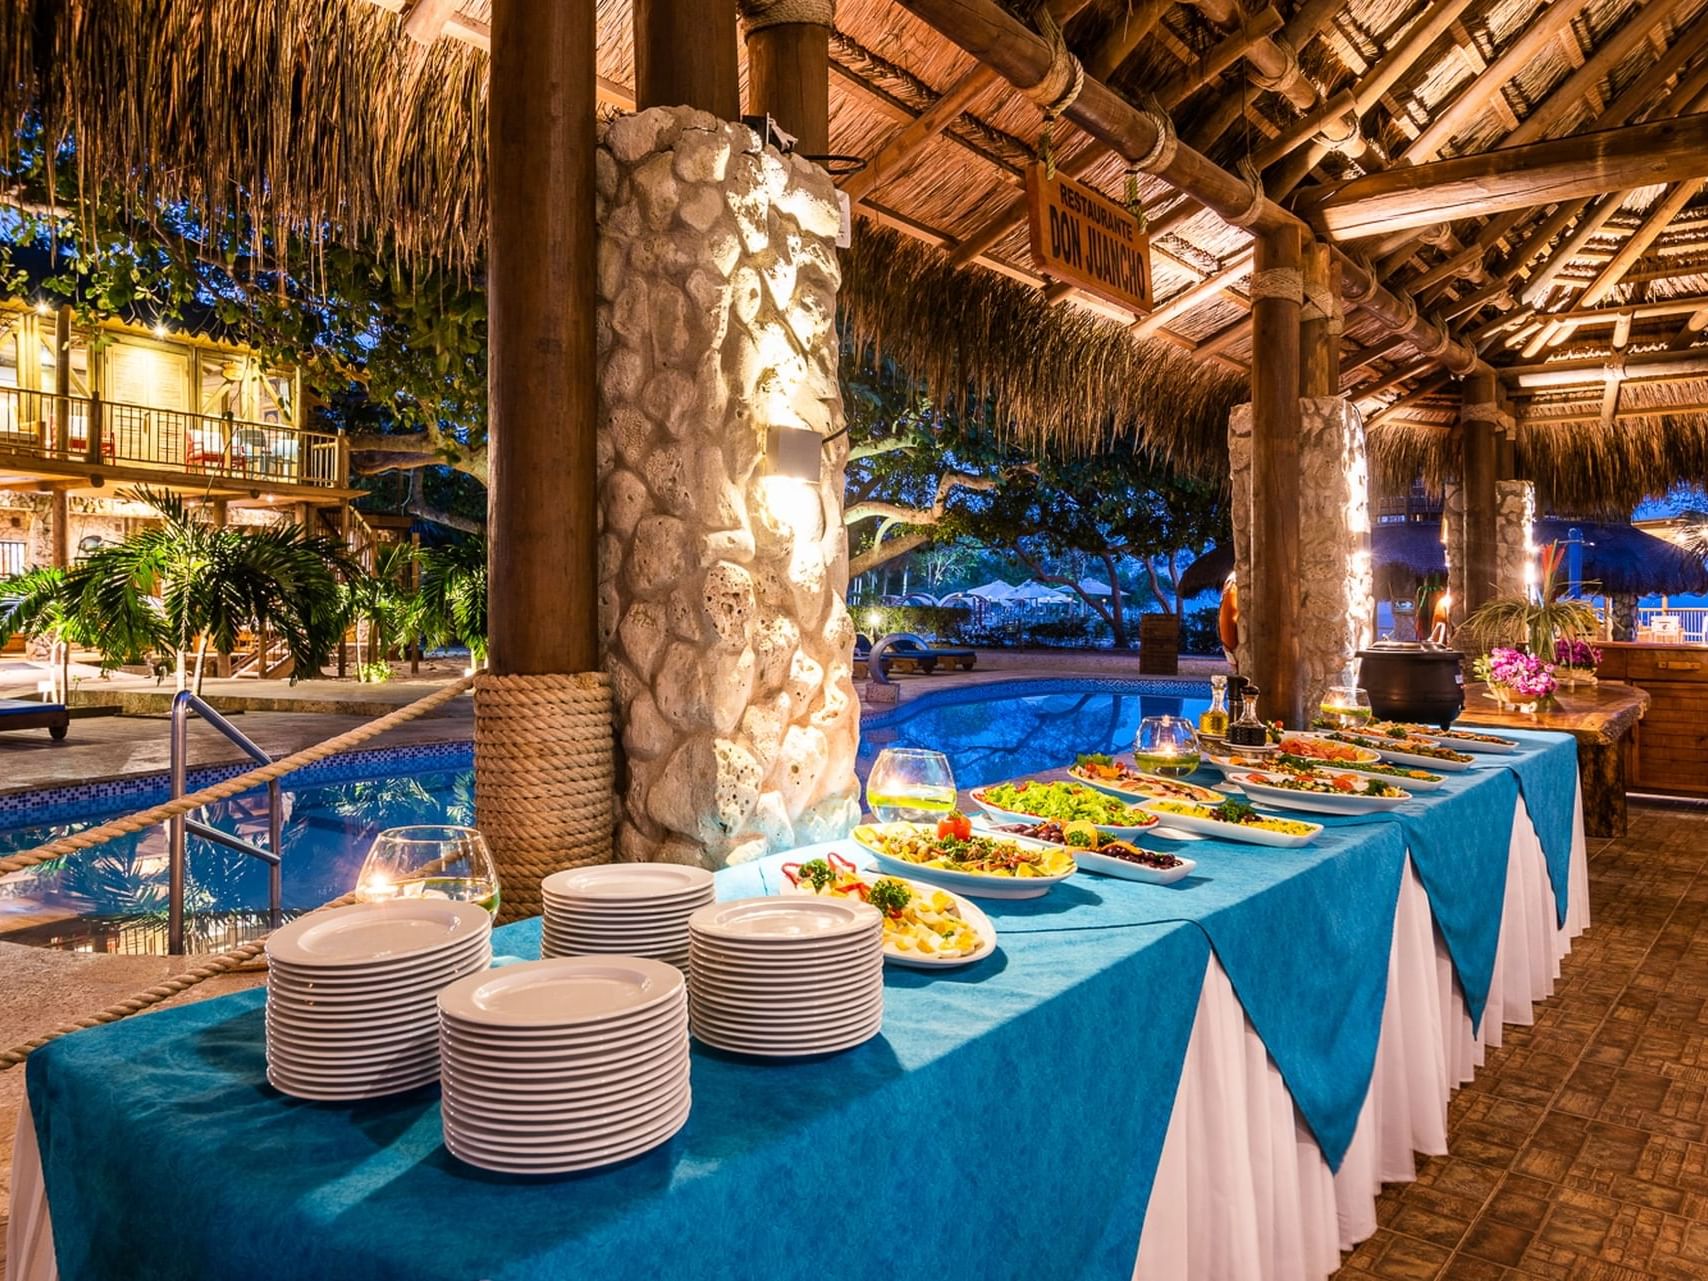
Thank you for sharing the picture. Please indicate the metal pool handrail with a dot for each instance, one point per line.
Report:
(181, 824)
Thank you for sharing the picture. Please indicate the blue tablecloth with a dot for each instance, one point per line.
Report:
(1006, 1123)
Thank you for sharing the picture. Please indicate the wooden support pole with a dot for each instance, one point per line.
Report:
(788, 70)
(542, 366)
(1477, 474)
(1506, 455)
(60, 515)
(685, 56)
(1318, 370)
(1511, 178)
(1273, 613)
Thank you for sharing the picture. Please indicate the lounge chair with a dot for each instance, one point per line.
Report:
(20, 713)
(929, 656)
(890, 661)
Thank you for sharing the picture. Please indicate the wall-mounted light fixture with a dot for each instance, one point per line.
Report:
(794, 452)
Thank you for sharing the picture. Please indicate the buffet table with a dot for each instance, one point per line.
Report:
(1603, 718)
(1198, 1081)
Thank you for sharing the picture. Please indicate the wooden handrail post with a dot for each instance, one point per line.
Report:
(1273, 613)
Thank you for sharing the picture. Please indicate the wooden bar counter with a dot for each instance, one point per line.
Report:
(1604, 719)
(1669, 752)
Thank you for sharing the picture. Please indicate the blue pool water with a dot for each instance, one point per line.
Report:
(114, 898)
(996, 731)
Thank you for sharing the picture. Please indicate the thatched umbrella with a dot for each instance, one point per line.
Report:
(1618, 559)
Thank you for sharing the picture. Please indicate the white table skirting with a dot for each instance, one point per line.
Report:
(1242, 1192)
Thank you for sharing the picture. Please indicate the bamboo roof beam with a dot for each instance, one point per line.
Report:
(1639, 241)
(426, 19)
(1588, 413)
(1276, 62)
(1447, 122)
(1512, 177)
(1693, 326)
(909, 141)
(1222, 55)
(1024, 58)
(1193, 295)
(1649, 367)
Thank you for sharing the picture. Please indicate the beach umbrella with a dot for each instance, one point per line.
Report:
(996, 589)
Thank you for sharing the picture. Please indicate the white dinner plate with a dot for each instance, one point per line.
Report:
(1121, 870)
(1241, 832)
(969, 912)
(580, 1139)
(1147, 787)
(568, 1083)
(828, 980)
(364, 933)
(391, 969)
(794, 1049)
(318, 1092)
(322, 1007)
(629, 1023)
(352, 1074)
(677, 938)
(717, 1006)
(628, 881)
(597, 1124)
(602, 1043)
(484, 1157)
(782, 924)
(807, 951)
(1318, 802)
(787, 1032)
(972, 884)
(561, 991)
(624, 918)
(1014, 816)
(311, 1033)
(428, 980)
(1395, 756)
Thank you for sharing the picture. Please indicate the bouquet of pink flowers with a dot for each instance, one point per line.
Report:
(1524, 677)
(1578, 654)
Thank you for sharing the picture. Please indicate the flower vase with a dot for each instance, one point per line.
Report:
(1574, 677)
(1509, 700)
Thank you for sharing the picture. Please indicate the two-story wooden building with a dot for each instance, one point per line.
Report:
(88, 411)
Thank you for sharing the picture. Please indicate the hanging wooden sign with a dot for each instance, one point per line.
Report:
(1081, 236)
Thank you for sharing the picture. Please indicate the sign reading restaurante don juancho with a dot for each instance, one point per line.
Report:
(1083, 237)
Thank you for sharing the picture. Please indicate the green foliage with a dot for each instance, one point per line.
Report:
(1199, 633)
(940, 622)
(452, 604)
(185, 585)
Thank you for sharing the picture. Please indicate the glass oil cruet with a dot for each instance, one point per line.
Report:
(1213, 724)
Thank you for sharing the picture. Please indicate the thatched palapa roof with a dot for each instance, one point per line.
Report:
(324, 113)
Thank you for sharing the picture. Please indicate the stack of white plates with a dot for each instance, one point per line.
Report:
(623, 909)
(781, 977)
(351, 993)
(564, 1064)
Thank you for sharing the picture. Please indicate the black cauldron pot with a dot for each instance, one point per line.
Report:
(1413, 682)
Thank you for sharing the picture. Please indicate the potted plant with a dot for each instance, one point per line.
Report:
(1517, 681)
(1534, 622)
(1575, 661)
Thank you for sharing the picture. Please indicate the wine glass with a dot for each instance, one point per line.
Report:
(430, 862)
(910, 784)
(1166, 745)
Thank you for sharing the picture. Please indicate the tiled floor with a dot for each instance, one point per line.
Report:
(1580, 1152)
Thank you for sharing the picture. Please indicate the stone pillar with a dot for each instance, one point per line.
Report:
(722, 584)
(1336, 578)
(1515, 513)
(1623, 610)
(1334, 571)
(1453, 544)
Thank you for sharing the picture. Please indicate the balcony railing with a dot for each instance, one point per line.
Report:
(1686, 625)
(87, 429)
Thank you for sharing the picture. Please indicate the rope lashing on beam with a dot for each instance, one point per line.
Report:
(1060, 88)
(1432, 350)
(1328, 139)
(1289, 67)
(544, 778)
(1482, 411)
(1248, 216)
(1167, 143)
(1360, 284)
(1285, 283)
(1319, 303)
(756, 15)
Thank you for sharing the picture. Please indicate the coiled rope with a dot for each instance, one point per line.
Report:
(224, 962)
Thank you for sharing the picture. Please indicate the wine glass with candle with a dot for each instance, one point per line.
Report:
(910, 784)
(1166, 745)
(430, 861)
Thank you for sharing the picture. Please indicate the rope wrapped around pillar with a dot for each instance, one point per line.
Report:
(544, 779)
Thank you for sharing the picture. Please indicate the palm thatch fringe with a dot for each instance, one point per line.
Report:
(1043, 375)
(307, 115)
(1587, 468)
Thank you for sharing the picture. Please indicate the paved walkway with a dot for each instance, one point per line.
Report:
(1579, 1153)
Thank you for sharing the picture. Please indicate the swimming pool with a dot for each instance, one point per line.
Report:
(996, 731)
(114, 898)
